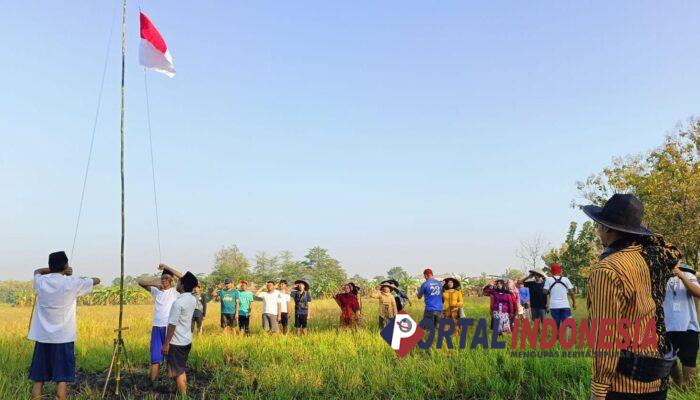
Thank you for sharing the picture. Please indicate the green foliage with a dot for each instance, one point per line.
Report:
(514, 274)
(325, 272)
(666, 180)
(578, 254)
(230, 263)
(397, 273)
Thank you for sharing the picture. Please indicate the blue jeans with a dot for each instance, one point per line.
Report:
(560, 314)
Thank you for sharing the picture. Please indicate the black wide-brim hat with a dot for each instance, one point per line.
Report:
(622, 212)
(391, 281)
(389, 285)
(303, 282)
(455, 282)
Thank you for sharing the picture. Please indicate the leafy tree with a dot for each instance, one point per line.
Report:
(666, 180)
(397, 273)
(326, 273)
(578, 254)
(291, 269)
(514, 274)
(230, 263)
(266, 267)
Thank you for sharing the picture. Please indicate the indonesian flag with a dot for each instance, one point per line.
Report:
(153, 52)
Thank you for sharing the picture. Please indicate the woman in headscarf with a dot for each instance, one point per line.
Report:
(452, 299)
(503, 307)
(349, 307)
(400, 297)
(387, 304)
(513, 288)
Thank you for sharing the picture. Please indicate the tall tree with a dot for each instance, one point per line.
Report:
(578, 254)
(666, 180)
(230, 262)
(530, 252)
(291, 269)
(266, 267)
(326, 273)
(397, 273)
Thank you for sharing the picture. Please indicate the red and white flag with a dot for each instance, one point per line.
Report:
(153, 52)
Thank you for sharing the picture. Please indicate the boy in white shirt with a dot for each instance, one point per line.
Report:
(164, 295)
(271, 312)
(53, 324)
(283, 302)
(178, 341)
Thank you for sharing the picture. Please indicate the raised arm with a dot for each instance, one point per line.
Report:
(148, 284)
(691, 284)
(172, 270)
(42, 271)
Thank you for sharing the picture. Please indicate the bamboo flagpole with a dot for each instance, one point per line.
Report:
(119, 352)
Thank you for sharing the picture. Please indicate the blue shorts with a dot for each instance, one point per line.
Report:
(560, 314)
(53, 362)
(158, 334)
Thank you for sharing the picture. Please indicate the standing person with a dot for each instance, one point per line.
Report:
(53, 327)
(243, 300)
(302, 311)
(349, 307)
(357, 292)
(512, 287)
(682, 321)
(283, 302)
(524, 300)
(534, 283)
(178, 341)
(164, 295)
(503, 306)
(200, 311)
(432, 290)
(400, 297)
(629, 282)
(271, 312)
(560, 291)
(387, 304)
(452, 299)
(227, 296)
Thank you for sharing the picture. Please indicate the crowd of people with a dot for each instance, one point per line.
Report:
(638, 277)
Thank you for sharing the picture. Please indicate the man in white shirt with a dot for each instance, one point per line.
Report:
(560, 290)
(164, 295)
(681, 319)
(178, 341)
(284, 300)
(53, 326)
(271, 312)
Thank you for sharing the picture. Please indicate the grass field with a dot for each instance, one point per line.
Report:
(322, 365)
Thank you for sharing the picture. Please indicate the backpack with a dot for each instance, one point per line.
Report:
(559, 281)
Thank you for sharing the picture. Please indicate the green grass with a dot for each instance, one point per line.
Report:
(325, 364)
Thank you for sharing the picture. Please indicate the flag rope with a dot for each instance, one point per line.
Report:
(153, 168)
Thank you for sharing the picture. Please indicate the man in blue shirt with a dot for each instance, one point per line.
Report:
(432, 290)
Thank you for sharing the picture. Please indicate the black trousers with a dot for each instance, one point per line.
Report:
(634, 396)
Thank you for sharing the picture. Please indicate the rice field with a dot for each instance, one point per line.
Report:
(326, 364)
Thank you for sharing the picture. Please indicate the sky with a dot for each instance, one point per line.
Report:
(405, 133)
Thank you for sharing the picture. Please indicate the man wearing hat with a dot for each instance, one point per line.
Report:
(178, 341)
(682, 321)
(302, 311)
(628, 282)
(164, 295)
(534, 283)
(53, 327)
(432, 290)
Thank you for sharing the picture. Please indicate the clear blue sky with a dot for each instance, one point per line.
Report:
(392, 133)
